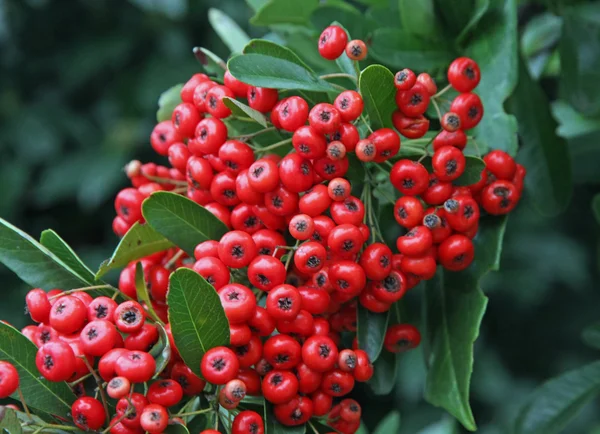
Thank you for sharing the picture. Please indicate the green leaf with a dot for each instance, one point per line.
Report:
(541, 33)
(272, 72)
(453, 316)
(161, 351)
(384, 374)
(53, 242)
(418, 17)
(591, 335)
(596, 207)
(343, 62)
(400, 49)
(572, 123)
(176, 428)
(167, 102)
(50, 397)
(546, 156)
(269, 48)
(142, 292)
(242, 110)
(284, 12)
(228, 30)
(371, 328)
(454, 17)
(197, 319)
(9, 422)
(481, 7)
(139, 241)
(33, 263)
(390, 424)
(351, 18)
(212, 64)
(559, 400)
(494, 47)
(580, 69)
(376, 85)
(181, 220)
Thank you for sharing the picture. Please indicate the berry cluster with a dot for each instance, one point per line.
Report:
(302, 253)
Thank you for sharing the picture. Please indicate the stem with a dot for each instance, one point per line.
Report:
(384, 194)
(310, 424)
(174, 259)
(22, 398)
(80, 380)
(476, 147)
(179, 190)
(84, 289)
(115, 423)
(415, 141)
(387, 163)
(381, 169)
(54, 426)
(437, 109)
(258, 133)
(362, 118)
(338, 75)
(275, 145)
(441, 92)
(99, 384)
(160, 180)
(289, 258)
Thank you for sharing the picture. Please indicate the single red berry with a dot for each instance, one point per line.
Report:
(314, 300)
(310, 257)
(462, 212)
(132, 407)
(499, 197)
(68, 315)
(301, 227)
(409, 177)
(332, 42)
(55, 361)
(211, 133)
(410, 127)
(9, 379)
(189, 382)
(376, 261)
(437, 191)
(163, 136)
(448, 163)
(38, 305)
(458, 139)
(237, 249)
(262, 99)
(219, 365)
(281, 202)
(327, 169)
(469, 109)
(426, 80)
(213, 270)
(387, 143)
(347, 134)
(324, 118)
(282, 352)
(464, 74)
(345, 240)
(88, 413)
(118, 387)
(236, 155)
(154, 419)
(347, 277)
(187, 91)
(106, 365)
(98, 337)
(296, 173)
(356, 50)
(214, 101)
(365, 150)
(263, 175)
(239, 89)
(414, 101)
(350, 410)
(136, 366)
(248, 422)
(238, 302)
(309, 143)
(199, 97)
(415, 242)
(265, 272)
(404, 79)
(322, 403)
(351, 211)
(279, 387)
(408, 211)
(337, 383)
(294, 412)
(165, 392)
(364, 369)
(319, 353)
(450, 122)
(421, 266)
(335, 150)
(500, 164)
(283, 302)
(130, 316)
(349, 104)
(185, 117)
(292, 113)
(456, 252)
(315, 201)
(339, 189)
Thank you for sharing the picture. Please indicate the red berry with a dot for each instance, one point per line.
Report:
(409, 177)
(349, 104)
(55, 361)
(98, 337)
(282, 352)
(365, 150)
(295, 412)
(88, 413)
(239, 89)
(214, 101)
(450, 122)
(426, 80)
(319, 353)
(309, 143)
(165, 392)
(469, 109)
(238, 302)
(292, 113)
(187, 92)
(401, 337)
(68, 314)
(458, 139)
(404, 79)
(408, 211)
(185, 117)
(219, 365)
(9, 379)
(414, 101)
(118, 387)
(262, 99)
(129, 316)
(248, 422)
(132, 407)
(136, 366)
(356, 50)
(154, 418)
(315, 201)
(283, 302)
(296, 173)
(324, 118)
(337, 383)
(279, 387)
(163, 136)
(410, 127)
(237, 249)
(189, 382)
(456, 252)
(364, 369)
(500, 164)
(499, 197)
(332, 42)
(376, 261)
(38, 305)
(448, 163)
(464, 74)
(211, 133)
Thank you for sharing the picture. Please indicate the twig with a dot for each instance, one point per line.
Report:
(338, 75)
(174, 259)
(443, 91)
(437, 109)
(22, 398)
(275, 145)
(258, 133)
(99, 384)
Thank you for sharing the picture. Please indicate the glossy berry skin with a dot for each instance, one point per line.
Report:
(189, 382)
(401, 337)
(118, 387)
(309, 143)
(404, 79)
(456, 252)
(425, 80)
(315, 201)
(500, 164)
(319, 353)
(238, 302)
(408, 211)
(448, 163)
(165, 392)
(55, 361)
(415, 242)
(163, 136)
(295, 412)
(376, 261)
(102, 308)
(98, 337)
(386, 142)
(236, 155)
(211, 133)
(301, 227)
(469, 109)
(409, 177)
(414, 101)
(187, 92)
(282, 352)
(130, 316)
(356, 50)
(339, 189)
(332, 42)
(154, 418)
(345, 240)
(68, 314)
(237, 249)
(279, 386)
(350, 211)
(464, 213)
(9, 379)
(350, 410)
(219, 365)
(364, 368)
(458, 139)
(214, 101)
(296, 173)
(88, 413)
(292, 113)
(410, 127)
(310, 257)
(265, 272)
(238, 88)
(464, 74)
(136, 366)
(262, 99)
(347, 277)
(350, 105)
(248, 422)
(324, 118)
(283, 302)
(337, 383)
(450, 122)
(499, 197)
(106, 365)
(185, 117)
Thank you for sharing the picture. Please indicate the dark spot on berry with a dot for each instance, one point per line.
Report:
(325, 116)
(282, 358)
(391, 284)
(339, 190)
(451, 167)
(92, 333)
(276, 379)
(402, 213)
(348, 245)
(228, 193)
(277, 202)
(233, 295)
(408, 183)
(329, 169)
(459, 258)
(258, 171)
(130, 316)
(351, 205)
(473, 112)
(451, 205)
(324, 350)
(265, 251)
(237, 251)
(384, 261)
(304, 148)
(468, 211)
(469, 72)
(313, 261)
(48, 361)
(343, 284)
(345, 103)
(219, 364)
(432, 221)
(263, 280)
(285, 303)
(416, 99)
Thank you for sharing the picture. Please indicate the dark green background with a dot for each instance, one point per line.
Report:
(79, 81)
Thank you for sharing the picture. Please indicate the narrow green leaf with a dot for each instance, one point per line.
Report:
(212, 64)
(284, 12)
(33, 263)
(453, 316)
(384, 374)
(371, 328)
(241, 109)
(596, 207)
(481, 7)
(53, 242)
(494, 47)
(228, 30)
(418, 18)
(376, 85)
(389, 424)
(41, 394)
(197, 319)
(181, 220)
(591, 335)
(266, 71)
(541, 33)
(142, 292)
(167, 102)
(255, 5)
(161, 351)
(269, 48)
(559, 400)
(139, 241)
(580, 70)
(9, 422)
(399, 49)
(572, 123)
(546, 156)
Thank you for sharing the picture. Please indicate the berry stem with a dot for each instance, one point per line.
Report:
(22, 399)
(194, 413)
(115, 423)
(338, 75)
(179, 190)
(174, 259)
(258, 133)
(437, 109)
(80, 380)
(441, 92)
(98, 383)
(161, 180)
(310, 424)
(55, 426)
(388, 164)
(84, 289)
(275, 145)
(290, 255)
(364, 120)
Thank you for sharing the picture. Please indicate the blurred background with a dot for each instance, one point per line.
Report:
(79, 83)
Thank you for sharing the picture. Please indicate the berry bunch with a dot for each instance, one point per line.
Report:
(303, 251)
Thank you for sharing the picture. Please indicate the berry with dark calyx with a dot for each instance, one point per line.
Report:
(332, 42)
(469, 109)
(88, 413)
(324, 118)
(414, 101)
(448, 163)
(401, 337)
(165, 392)
(409, 177)
(456, 252)
(499, 197)
(279, 387)
(292, 113)
(426, 80)
(365, 150)
(262, 99)
(118, 387)
(214, 101)
(136, 366)
(356, 50)
(500, 164)
(405, 79)
(219, 365)
(464, 74)
(55, 361)
(457, 138)
(450, 122)
(349, 104)
(410, 127)
(237, 87)
(129, 316)
(154, 418)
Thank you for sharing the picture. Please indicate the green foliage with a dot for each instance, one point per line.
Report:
(141, 291)
(196, 316)
(390, 424)
(181, 220)
(376, 84)
(9, 421)
(161, 351)
(241, 109)
(228, 30)
(50, 240)
(167, 102)
(370, 331)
